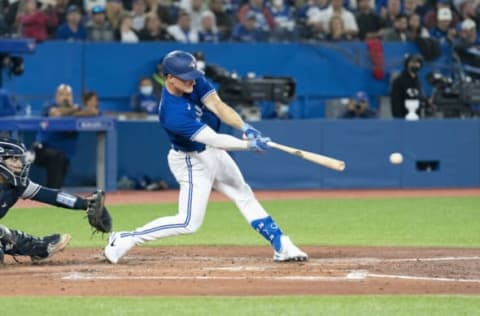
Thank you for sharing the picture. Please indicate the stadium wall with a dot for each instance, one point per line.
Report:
(437, 153)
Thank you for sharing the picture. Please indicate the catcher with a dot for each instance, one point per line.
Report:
(15, 184)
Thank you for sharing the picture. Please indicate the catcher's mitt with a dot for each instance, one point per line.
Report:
(97, 213)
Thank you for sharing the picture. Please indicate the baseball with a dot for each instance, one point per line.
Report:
(396, 158)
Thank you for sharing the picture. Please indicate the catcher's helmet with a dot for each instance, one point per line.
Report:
(9, 148)
(181, 64)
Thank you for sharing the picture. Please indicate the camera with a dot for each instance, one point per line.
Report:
(245, 91)
(454, 98)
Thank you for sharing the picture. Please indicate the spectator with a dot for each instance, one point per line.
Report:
(273, 110)
(415, 28)
(468, 48)
(98, 28)
(167, 12)
(208, 31)
(90, 104)
(90, 4)
(467, 10)
(336, 7)
(224, 20)
(264, 18)
(154, 30)
(370, 24)
(53, 150)
(283, 14)
(248, 31)
(114, 13)
(182, 32)
(407, 86)
(336, 29)
(126, 33)
(72, 29)
(303, 27)
(195, 10)
(358, 107)
(444, 31)
(34, 23)
(399, 30)
(410, 7)
(144, 101)
(139, 15)
(391, 11)
(430, 17)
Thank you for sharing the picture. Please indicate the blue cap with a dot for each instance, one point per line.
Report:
(181, 65)
(98, 9)
(360, 96)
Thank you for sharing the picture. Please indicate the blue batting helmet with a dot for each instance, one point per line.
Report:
(181, 64)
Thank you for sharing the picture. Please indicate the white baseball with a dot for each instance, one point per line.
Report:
(396, 158)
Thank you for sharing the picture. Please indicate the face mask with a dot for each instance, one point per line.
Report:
(414, 69)
(146, 90)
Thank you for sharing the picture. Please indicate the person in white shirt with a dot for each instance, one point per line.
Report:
(182, 32)
(322, 17)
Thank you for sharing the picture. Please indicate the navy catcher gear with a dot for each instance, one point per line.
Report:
(12, 148)
(181, 65)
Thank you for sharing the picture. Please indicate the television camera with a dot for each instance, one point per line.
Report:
(245, 91)
(454, 97)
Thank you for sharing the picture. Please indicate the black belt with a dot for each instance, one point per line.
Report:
(184, 151)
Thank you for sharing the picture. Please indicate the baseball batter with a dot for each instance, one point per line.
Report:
(190, 111)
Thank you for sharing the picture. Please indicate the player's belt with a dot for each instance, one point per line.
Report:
(185, 151)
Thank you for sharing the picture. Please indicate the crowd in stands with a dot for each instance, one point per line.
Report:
(193, 21)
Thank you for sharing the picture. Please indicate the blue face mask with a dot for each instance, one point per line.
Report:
(146, 90)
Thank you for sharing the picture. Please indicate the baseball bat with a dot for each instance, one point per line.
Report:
(322, 160)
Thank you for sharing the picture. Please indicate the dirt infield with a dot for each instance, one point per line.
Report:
(250, 270)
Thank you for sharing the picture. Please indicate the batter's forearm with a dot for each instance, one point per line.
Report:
(208, 137)
(229, 116)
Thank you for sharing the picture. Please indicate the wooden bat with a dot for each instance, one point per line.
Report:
(325, 161)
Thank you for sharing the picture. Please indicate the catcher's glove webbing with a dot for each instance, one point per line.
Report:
(97, 213)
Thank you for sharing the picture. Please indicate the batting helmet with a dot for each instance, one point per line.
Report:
(10, 147)
(181, 65)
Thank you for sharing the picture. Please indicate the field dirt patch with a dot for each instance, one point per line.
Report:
(246, 271)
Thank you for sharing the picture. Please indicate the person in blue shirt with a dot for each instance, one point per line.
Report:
(14, 185)
(145, 101)
(190, 112)
(72, 29)
(53, 150)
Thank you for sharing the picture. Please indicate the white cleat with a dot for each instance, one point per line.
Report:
(117, 246)
(289, 252)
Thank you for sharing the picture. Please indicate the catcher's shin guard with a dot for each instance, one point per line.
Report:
(38, 248)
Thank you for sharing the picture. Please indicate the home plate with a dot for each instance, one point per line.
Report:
(357, 275)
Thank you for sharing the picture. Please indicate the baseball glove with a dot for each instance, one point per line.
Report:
(97, 213)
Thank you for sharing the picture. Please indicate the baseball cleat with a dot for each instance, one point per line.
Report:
(117, 247)
(289, 252)
(57, 244)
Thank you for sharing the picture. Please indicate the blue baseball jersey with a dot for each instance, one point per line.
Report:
(183, 117)
(63, 141)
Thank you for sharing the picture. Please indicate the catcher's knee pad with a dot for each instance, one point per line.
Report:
(2, 256)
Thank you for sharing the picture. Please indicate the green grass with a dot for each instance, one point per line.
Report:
(328, 305)
(443, 222)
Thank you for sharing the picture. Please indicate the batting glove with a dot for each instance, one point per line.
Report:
(259, 144)
(250, 132)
